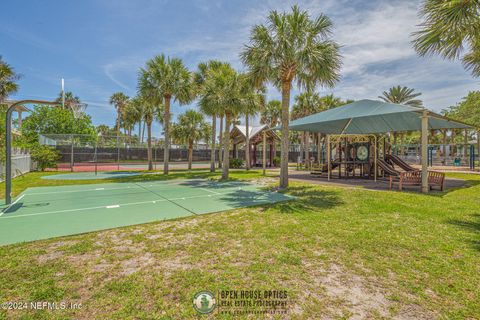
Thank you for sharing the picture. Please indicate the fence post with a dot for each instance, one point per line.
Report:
(71, 154)
(118, 154)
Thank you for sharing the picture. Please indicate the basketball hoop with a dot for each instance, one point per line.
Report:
(78, 109)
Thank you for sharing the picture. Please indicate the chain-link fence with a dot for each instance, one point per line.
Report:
(87, 152)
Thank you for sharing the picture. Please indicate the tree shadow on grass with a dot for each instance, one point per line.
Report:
(309, 198)
(469, 225)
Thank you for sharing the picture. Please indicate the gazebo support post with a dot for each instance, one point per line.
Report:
(375, 159)
(424, 151)
(264, 153)
(328, 157)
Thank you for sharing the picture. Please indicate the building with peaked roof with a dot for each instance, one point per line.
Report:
(238, 136)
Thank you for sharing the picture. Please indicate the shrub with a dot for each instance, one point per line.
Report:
(236, 163)
(276, 161)
(44, 156)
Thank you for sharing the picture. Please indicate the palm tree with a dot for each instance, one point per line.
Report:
(103, 129)
(254, 102)
(119, 100)
(225, 89)
(306, 103)
(8, 79)
(292, 47)
(204, 71)
(402, 95)
(271, 113)
(172, 80)
(151, 100)
(191, 128)
(451, 28)
(134, 114)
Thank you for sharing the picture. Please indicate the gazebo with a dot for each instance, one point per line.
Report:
(256, 137)
(368, 118)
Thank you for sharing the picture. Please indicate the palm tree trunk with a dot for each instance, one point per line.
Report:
(139, 130)
(149, 146)
(220, 151)
(286, 87)
(247, 144)
(118, 124)
(143, 132)
(190, 154)
(226, 147)
(166, 125)
(212, 153)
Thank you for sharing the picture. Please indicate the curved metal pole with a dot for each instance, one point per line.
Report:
(8, 144)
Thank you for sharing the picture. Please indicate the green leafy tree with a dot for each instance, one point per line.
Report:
(119, 100)
(402, 95)
(48, 120)
(8, 80)
(189, 129)
(467, 110)
(451, 29)
(292, 47)
(172, 80)
(205, 72)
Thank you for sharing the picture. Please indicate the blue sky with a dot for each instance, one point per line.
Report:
(99, 45)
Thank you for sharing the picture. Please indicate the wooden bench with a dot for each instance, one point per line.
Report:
(414, 178)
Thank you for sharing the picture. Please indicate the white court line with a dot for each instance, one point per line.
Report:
(104, 207)
(11, 204)
(73, 191)
(209, 191)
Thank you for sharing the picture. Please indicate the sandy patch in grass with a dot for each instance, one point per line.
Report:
(354, 296)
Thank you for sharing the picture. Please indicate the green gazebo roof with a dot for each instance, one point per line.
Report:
(370, 116)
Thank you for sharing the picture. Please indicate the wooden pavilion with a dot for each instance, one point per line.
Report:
(257, 135)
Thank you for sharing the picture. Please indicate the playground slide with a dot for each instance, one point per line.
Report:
(399, 162)
(387, 168)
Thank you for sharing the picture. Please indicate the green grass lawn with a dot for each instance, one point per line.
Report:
(337, 252)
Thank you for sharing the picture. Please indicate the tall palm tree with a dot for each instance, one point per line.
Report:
(172, 80)
(271, 113)
(402, 95)
(189, 129)
(8, 80)
(254, 101)
(203, 73)
(152, 108)
(136, 107)
(306, 103)
(70, 99)
(451, 29)
(292, 47)
(119, 101)
(225, 89)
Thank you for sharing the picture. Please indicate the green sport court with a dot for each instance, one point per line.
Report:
(47, 212)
